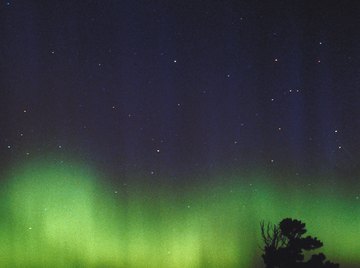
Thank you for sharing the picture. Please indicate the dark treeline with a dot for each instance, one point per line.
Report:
(285, 244)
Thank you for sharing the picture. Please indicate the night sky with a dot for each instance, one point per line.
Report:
(181, 125)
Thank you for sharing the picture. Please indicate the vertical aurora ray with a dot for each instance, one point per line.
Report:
(63, 216)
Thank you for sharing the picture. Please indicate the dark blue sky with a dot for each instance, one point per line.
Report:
(183, 87)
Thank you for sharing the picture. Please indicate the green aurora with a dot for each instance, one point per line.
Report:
(64, 215)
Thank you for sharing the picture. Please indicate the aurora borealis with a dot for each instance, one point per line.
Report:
(63, 216)
(159, 134)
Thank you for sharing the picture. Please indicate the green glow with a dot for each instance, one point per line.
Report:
(59, 215)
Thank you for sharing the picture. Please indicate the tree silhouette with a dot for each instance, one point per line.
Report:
(285, 245)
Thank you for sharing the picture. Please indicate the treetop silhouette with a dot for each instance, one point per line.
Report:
(285, 245)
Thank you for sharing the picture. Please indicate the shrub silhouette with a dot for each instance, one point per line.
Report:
(285, 245)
